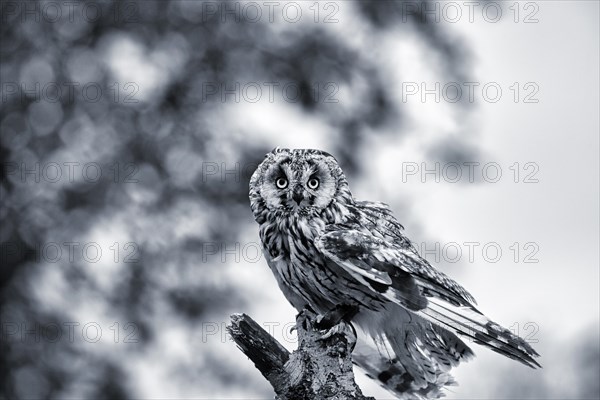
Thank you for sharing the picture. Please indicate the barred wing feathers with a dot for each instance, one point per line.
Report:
(403, 277)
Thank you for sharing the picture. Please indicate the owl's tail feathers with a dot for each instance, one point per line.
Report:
(394, 377)
(411, 359)
(471, 324)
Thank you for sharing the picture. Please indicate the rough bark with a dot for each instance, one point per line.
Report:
(321, 367)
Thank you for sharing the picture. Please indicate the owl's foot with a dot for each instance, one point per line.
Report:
(347, 332)
(337, 321)
(343, 328)
(341, 312)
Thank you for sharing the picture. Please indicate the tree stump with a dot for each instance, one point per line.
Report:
(321, 367)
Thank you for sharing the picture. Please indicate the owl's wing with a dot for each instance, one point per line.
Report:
(403, 277)
(375, 259)
(379, 218)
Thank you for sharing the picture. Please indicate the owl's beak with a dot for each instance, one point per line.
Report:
(298, 194)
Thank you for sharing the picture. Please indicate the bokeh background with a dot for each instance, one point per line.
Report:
(129, 131)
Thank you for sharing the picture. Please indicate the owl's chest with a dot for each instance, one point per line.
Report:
(292, 238)
(293, 257)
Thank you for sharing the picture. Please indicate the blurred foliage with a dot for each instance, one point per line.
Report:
(123, 92)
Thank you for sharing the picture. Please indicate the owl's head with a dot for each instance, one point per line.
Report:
(297, 182)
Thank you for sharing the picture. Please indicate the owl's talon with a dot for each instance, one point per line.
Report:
(343, 328)
(319, 320)
(332, 331)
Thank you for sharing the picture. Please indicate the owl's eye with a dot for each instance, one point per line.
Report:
(313, 183)
(281, 183)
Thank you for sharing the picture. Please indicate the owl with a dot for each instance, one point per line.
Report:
(327, 249)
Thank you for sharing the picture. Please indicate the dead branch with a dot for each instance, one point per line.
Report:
(321, 367)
